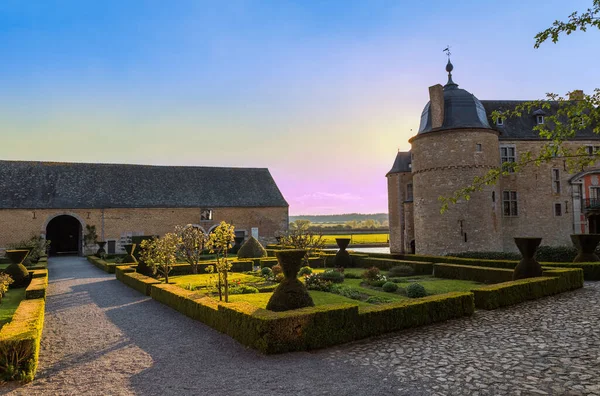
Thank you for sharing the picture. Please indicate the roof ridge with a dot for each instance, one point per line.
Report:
(131, 165)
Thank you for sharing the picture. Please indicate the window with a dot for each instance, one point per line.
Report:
(478, 147)
(508, 154)
(206, 214)
(556, 181)
(557, 209)
(509, 203)
(409, 192)
(540, 119)
(500, 121)
(591, 150)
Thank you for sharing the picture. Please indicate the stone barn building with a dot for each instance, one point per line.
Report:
(457, 141)
(58, 201)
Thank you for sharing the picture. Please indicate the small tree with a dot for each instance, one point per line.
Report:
(161, 253)
(192, 244)
(219, 242)
(300, 236)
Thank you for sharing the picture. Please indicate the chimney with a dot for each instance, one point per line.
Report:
(576, 95)
(436, 106)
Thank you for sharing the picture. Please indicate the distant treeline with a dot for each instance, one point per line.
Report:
(342, 218)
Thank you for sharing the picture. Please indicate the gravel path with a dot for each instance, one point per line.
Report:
(103, 338)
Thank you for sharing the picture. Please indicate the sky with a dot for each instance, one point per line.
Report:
(323, 93)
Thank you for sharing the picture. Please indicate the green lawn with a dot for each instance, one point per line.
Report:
(260, 300)
(9, 304)
(202, 280)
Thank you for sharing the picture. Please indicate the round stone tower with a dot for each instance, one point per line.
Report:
(455, 143)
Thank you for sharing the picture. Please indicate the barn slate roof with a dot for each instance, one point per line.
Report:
(402, 163)
(521, 128)
(59, 185)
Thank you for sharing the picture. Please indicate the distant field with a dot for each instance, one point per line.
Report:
(359, 238)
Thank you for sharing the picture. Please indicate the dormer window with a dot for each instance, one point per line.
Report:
(500, 121)
(540, 119)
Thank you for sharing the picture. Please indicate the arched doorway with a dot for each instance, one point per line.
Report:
(64, 234)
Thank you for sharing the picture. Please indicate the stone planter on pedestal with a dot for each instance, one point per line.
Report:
(17, 270)
(342, 257)
(528, 267)
(101, 252)
(291, 293)
(586, 247)
(129, 259)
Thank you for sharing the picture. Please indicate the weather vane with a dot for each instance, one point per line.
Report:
(447, 51)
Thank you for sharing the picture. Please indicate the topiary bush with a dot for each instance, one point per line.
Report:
(389, 287)
(401, 270)
(415, 290)
(305, 271)
(315, 282)
(377, 283)
(252, 249)
(266, 272)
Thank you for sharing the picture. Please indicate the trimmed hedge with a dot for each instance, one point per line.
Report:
(472, 273)
(120, 270)
(562, 254)
(37, 288)
(139, 282)
(41, 273)
(380, 319)
(591, 271)
(20, 341)
(569, 278)
(312, 327)
(510, 293)
(384, 264)
(103, 265)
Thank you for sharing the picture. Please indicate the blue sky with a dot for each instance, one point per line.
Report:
(322, 93)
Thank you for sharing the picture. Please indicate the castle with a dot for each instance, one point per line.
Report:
(457, 141)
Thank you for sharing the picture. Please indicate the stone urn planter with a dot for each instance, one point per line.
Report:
(586, 247)
(291, 293)
(528, 267)
(129, 248)
(17, 270)
(342, 257)
(101, 252)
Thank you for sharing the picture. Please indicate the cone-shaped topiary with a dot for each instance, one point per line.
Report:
(17, 270)
(586, 247)
(291, 293)
(101, 252)
(252, 249)
(129, 259)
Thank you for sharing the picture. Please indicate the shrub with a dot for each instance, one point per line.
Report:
(350, 275)
(557, 254)
(5, 281)
(401, 270)
(243, 289)
(472, 273)
(252, 249)
(316, 282)
(19, 275)
(378, 300)
(415, 290)
(305, 271)
(371, 274)
(332, 276)
(277, 269)
(389, 287)
(378, 282)
(266, 272)
(36, 245)
(346, 291)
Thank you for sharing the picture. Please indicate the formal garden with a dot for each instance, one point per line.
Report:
(295, 295)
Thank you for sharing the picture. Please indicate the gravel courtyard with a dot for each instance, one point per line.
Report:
(103, 338)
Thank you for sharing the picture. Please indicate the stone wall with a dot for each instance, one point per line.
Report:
(114, 224)
(442, 163)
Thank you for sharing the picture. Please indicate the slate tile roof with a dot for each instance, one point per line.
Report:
(516, 128)
(57, 185)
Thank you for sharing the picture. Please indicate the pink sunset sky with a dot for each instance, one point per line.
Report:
(322, 95)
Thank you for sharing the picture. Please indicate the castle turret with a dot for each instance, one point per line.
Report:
(455, 143)
(400, 201)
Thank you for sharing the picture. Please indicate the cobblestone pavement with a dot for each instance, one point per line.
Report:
(101, 337)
